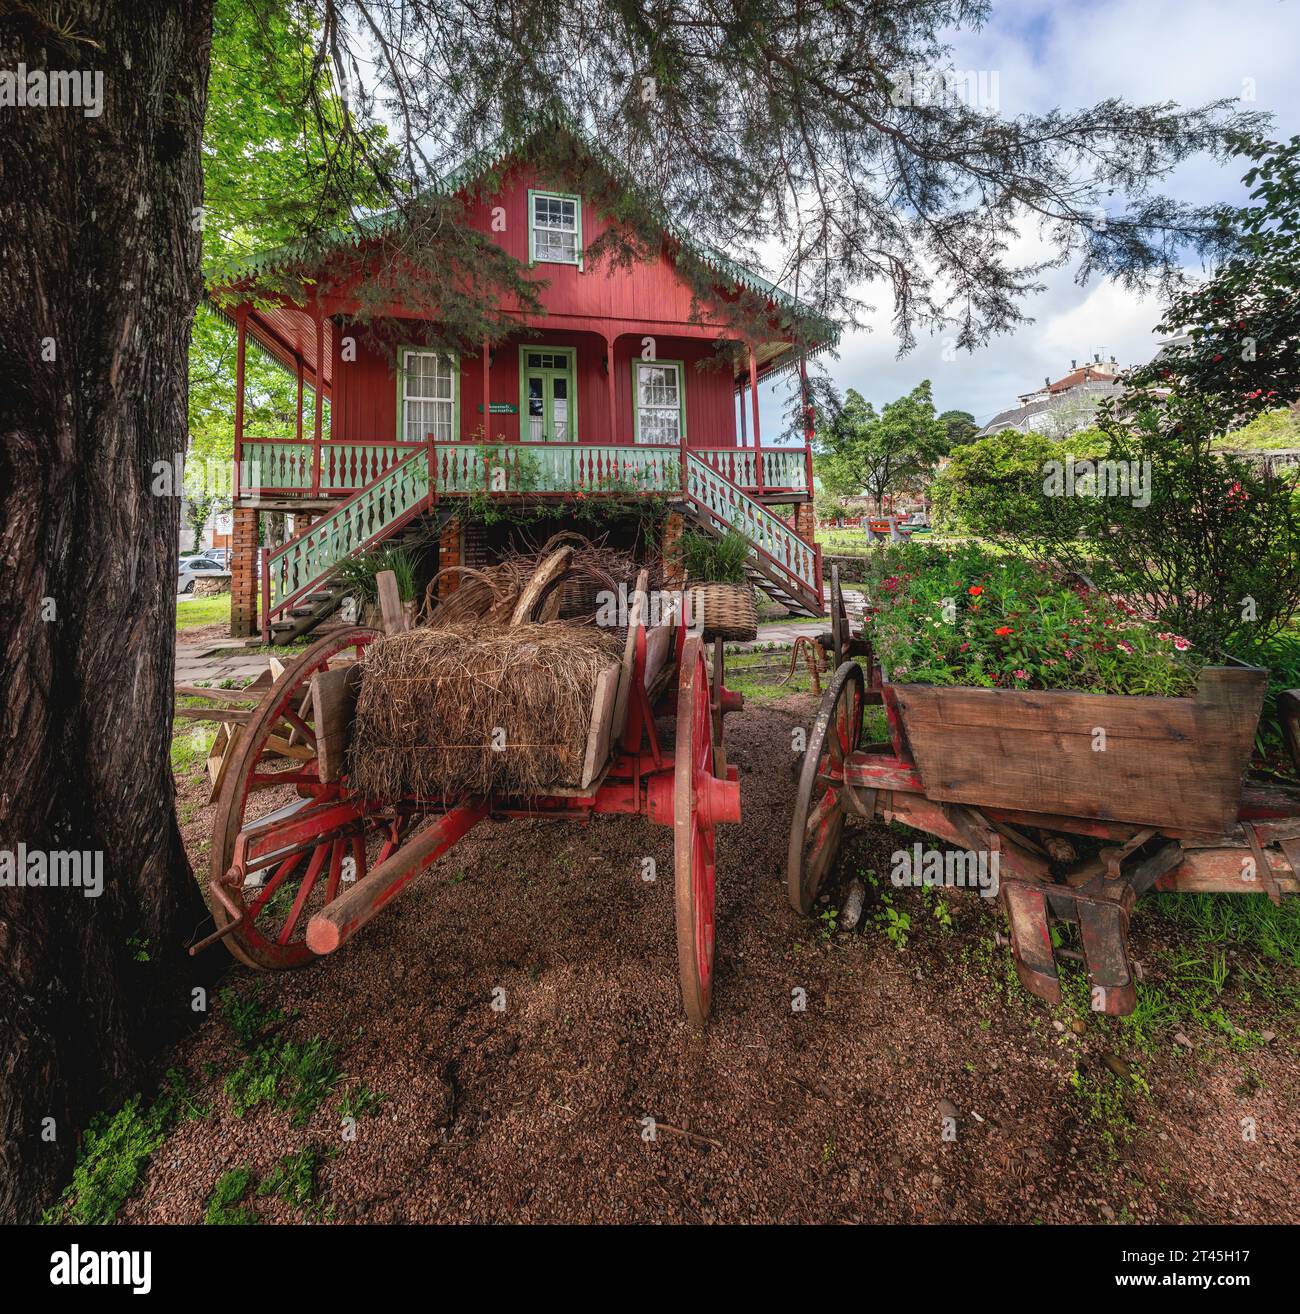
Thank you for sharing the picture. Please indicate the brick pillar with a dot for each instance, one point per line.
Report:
(243, 573)
(674, 524)
(805, 521)
(449, 554)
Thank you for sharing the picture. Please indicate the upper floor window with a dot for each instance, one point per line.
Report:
(428, 381)
(555, 228)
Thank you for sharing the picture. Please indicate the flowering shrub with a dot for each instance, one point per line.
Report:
(962, 616)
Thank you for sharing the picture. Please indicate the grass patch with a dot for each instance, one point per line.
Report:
(293, 1179)
(115, 1151)
(190, 743)
(224, 1208)
(1108, 1102)
(192, 613)
(359, 1100)
(294, 1076)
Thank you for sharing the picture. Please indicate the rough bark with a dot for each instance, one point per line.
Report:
(99, 258)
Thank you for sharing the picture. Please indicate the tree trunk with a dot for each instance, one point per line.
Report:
(98, 284)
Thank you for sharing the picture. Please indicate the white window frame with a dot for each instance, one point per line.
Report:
(404, 397)
(678, 367)
(533, 198)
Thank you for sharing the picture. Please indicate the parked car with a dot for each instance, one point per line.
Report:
(192, 568)
(220, 555)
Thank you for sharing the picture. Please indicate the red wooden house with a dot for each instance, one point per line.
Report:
(602, 393)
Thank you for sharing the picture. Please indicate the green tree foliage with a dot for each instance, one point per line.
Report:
(994, 487)
(839, 137)
(1268, 431)
(261, 160)
(961, 427)
(1242, 326)
(860, 451)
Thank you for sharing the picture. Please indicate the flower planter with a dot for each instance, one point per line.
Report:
(1176, 763)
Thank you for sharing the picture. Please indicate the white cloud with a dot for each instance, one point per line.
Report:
(1188, 51)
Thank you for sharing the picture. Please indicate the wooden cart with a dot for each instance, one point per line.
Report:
(300, 863)
(1088, 800)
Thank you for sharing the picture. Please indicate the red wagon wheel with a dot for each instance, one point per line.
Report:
(818, 821)
(304, 839)
(694, 857)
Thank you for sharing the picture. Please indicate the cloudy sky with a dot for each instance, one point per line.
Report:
(1048, 54)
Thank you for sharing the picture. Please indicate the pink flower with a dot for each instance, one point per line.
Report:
(1124, 647)
(1164, 635)
(1021, 675)
(1182, 645)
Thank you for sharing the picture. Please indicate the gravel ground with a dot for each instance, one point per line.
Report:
(834, 1113)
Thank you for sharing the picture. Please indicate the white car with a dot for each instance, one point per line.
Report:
(192, 568)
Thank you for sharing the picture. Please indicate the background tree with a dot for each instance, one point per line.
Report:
(961, 427)
(799, 130)
(882, 454)
(1239, 331)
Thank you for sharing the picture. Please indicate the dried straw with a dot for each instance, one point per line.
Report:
(432, 700)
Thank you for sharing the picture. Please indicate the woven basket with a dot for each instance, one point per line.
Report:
(727, 611)
(578, 596)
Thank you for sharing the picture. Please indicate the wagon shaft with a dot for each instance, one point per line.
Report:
(346, 915)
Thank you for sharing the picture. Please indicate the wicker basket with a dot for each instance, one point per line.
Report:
(727, 611)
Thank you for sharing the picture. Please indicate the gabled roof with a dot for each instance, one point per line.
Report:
(820, 329)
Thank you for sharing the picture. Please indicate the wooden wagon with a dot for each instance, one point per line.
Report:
(300, 862)
(1088, 800)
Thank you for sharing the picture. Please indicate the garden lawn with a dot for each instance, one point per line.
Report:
(191, 613)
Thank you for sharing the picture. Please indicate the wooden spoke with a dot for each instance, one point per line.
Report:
(818, 821)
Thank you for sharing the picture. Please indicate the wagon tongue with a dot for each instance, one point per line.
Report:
(1102, 920)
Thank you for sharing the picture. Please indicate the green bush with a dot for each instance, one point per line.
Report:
(359, 572)
(710, 560)
(1210, 546)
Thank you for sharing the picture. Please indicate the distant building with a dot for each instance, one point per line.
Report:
(1064, 406)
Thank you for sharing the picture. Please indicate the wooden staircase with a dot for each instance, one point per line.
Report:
(786, 567)
(315, 607)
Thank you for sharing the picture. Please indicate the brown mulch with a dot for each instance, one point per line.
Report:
(536, 1113)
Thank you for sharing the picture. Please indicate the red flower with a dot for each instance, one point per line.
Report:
(1003, 629)
(975, 590)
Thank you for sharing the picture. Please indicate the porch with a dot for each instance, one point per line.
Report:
(567, 412)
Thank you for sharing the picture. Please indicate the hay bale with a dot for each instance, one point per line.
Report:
(433, 700)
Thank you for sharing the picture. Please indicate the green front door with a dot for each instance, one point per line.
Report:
(548, 402)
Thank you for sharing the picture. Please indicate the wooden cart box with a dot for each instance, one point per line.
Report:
(1176, 763)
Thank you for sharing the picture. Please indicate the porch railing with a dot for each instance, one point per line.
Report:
(289, 467)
